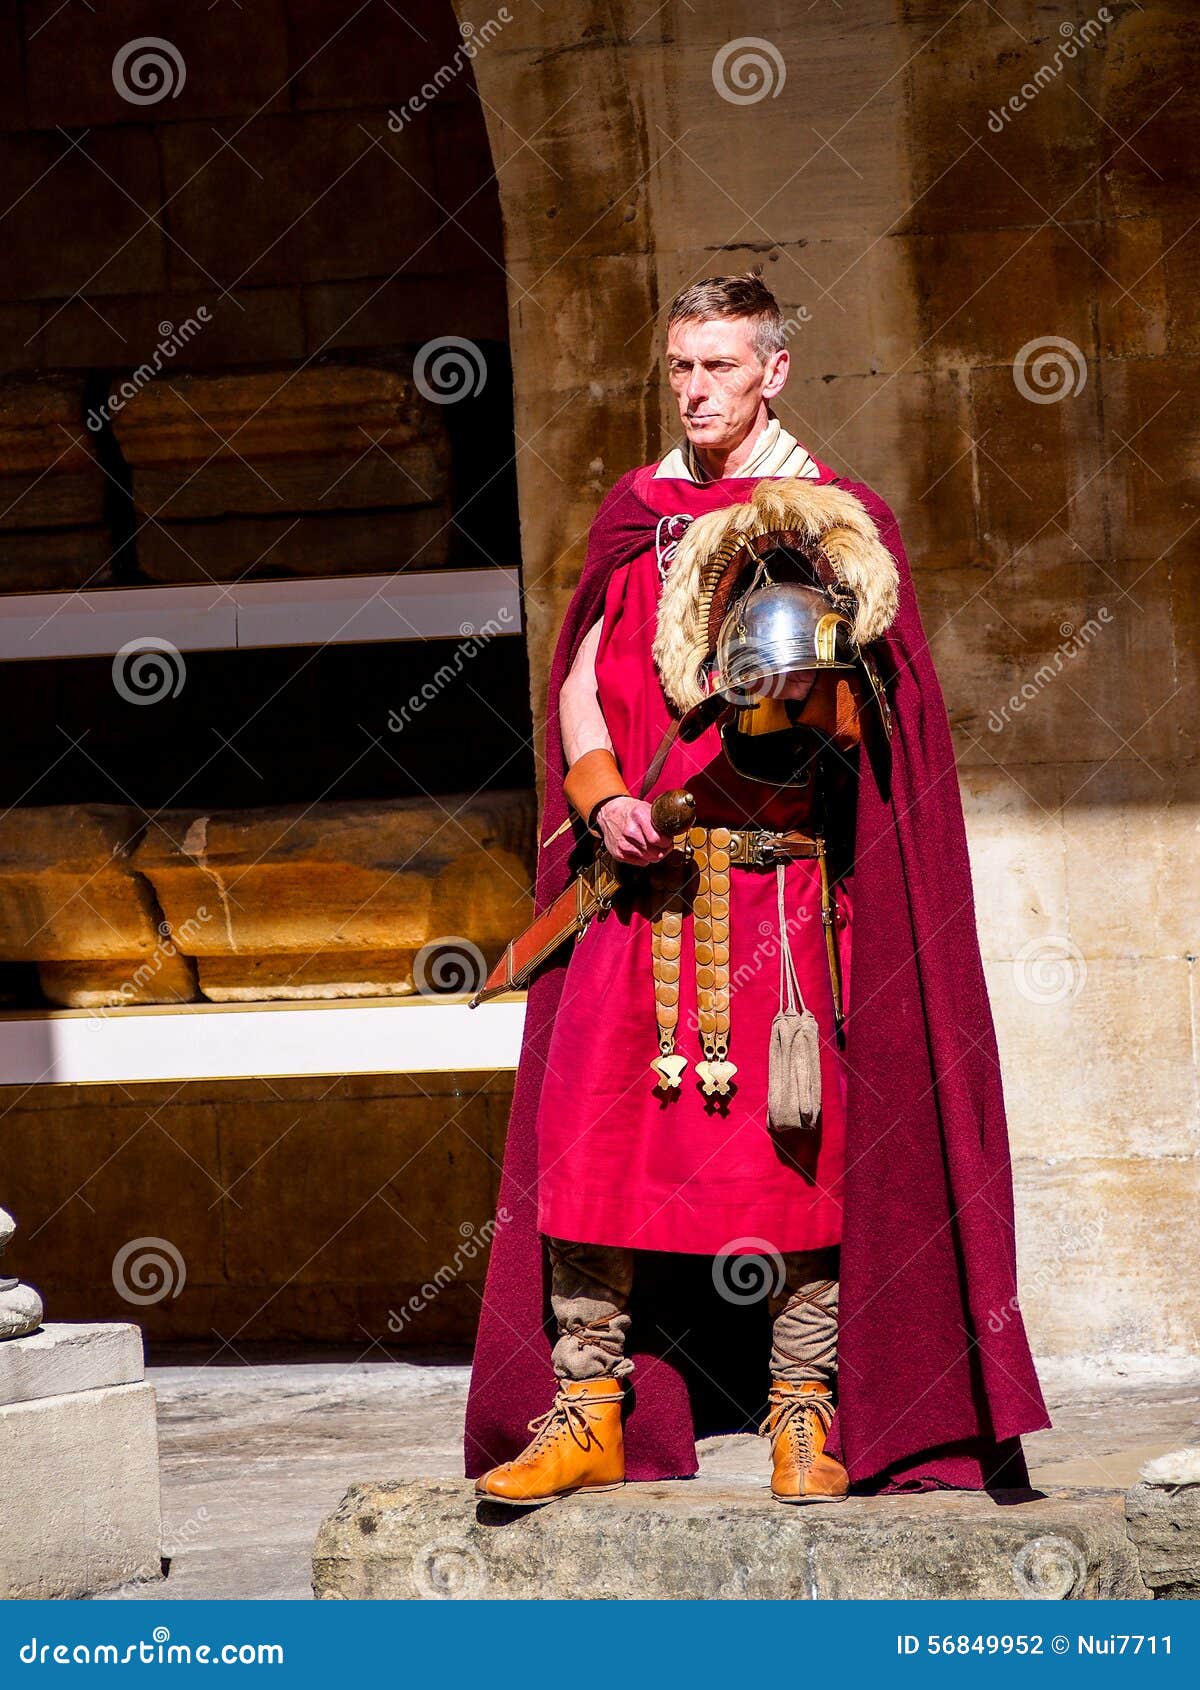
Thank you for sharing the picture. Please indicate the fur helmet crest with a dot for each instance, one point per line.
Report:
(826, 523)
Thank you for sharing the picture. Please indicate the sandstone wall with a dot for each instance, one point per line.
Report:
(992, 318)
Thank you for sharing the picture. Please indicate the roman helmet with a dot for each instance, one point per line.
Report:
(759, 599)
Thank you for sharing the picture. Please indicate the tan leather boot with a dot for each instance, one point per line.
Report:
(798, 1423)
(578, 1446)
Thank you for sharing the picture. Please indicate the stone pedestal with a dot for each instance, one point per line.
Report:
(79, 1501)
(20, 1305)
(430, 1539)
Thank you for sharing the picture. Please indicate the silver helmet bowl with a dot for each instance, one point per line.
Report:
(775, 631)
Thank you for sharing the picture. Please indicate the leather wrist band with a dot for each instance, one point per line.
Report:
(590, 780)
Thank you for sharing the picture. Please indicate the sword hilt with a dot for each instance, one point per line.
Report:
(673, 812)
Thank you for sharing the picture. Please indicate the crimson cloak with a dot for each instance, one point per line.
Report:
(936, 1383)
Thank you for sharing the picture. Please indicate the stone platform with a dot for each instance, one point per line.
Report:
(79, 1502)
(259, 1449)
(721, 1540)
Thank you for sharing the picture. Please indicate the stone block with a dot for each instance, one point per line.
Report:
(54, 560)
(20, 342)
(70, 902)
(1179, 271)
(359, 1194)
(86, 220)
(297, 548)
(429, 1539)
(1128, 1086)
(975, 288)
(976, 162)
(1018, 854)
(59, 1359)
(775, 169)
(376, 57)
(848, 308)
(337, 900)
(251, 326)
(1130, 834)
(79, 1507)
(1151, 478)
(1154, 174)
(324, 437)
(1098, 1239)
(465, 186)
(580, 187)
(1041, 484)
(1033, 661)
(300, 184)
(231, 65)
(1164, 1523)
(357, 1208)
(1143, 310)
(406, 310)
(582, 332)
(124, 1199)
(50, 477)
(909, 437)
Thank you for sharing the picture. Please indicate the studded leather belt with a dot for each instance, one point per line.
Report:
(752, 847)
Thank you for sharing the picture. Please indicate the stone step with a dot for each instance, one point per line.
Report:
(721, 1539)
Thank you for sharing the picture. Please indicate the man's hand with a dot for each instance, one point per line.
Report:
(629, 834)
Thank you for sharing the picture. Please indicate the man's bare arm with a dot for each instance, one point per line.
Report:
(624, 821)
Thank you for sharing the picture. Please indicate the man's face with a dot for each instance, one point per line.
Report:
(718, 380)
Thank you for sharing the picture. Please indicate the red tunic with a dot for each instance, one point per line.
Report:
(620, 1161)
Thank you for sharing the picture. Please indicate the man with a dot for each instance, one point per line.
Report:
(619, 1168)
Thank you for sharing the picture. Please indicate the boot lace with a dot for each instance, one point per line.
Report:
(571, 1413)
(798, 1413)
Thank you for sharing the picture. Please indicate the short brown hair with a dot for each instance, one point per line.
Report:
(733, 296)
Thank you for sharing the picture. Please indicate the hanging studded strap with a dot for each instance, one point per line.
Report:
(710, 848)
(666, 942)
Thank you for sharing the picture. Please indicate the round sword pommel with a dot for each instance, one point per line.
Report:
(673, 812)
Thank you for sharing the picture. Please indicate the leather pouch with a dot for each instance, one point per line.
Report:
(794, 1066)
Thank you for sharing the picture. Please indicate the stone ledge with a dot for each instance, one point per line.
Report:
(719, 1540)
(60, 1359)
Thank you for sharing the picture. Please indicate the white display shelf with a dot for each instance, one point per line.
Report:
(246, 1041)
(429, 604)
